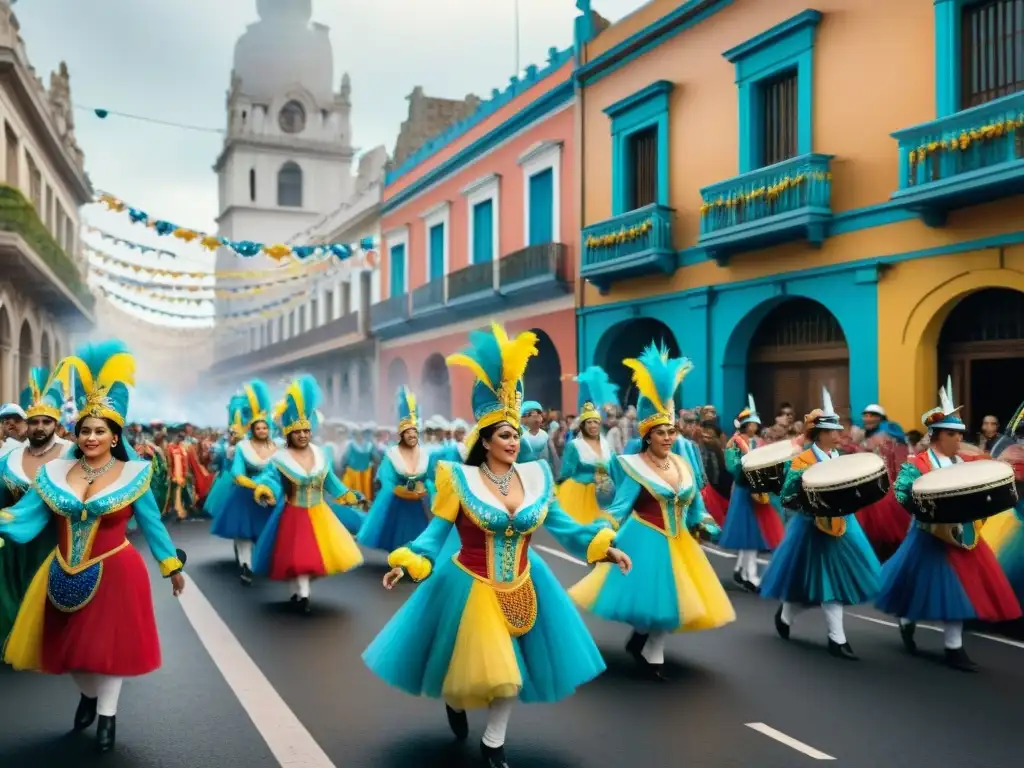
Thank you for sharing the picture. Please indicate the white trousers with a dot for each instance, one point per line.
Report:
(498, 714)
(301, 586)
(104, 688)
(244, 552)
(833, 619)
(654, 648)
(952, 633)
(746, 565)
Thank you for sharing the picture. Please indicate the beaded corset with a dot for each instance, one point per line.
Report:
(657, 504)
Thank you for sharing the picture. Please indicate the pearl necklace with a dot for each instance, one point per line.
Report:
(502, 481)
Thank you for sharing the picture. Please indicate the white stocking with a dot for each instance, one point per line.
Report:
(654, 648)
(750, 566)
(86, 683)
(953, 635)
(244, 552)
(834, 621)
(497, 722)
(302, 586)
(108, 690)
(789, 612)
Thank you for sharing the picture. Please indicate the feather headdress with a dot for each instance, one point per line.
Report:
(946, 416)
(657, 378)
(43, 396)
(748, 415)
(596, 391)
(237, 412)
(258, 402)
(298, 408)
(405, 406)
(99, 376)
(499, 364)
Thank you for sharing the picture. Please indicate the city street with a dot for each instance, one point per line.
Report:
(245, 682)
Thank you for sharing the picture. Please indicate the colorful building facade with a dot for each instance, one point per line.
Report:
(478, 224)
(798, 196)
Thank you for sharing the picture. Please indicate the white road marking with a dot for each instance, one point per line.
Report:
(789, 741)
(289, 741)
(721, 553)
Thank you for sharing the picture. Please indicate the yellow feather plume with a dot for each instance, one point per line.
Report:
(467, 362)
(410, 399)
(682, 373)
(644, 383)
(515, 353)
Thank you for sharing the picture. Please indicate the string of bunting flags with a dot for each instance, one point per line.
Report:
(264, 312)
(131, 244)
(216, 292)
(246, 249)
(294, 269)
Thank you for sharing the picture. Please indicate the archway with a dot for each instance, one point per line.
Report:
(981, 347)
(5, 352)
(543, 379)
(797, 348)
(398, 375)
(45, 356)
(26, 354)
(436, 393)
(628, 340)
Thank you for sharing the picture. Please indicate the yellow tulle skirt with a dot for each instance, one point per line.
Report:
(579, 501)
(999, 528)
(360, 481)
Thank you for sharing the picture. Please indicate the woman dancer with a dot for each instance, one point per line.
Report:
(585, 481)
(659, 511)
(752, 524)
(223, 454)
(89, 609)
(821, 561)
(400, 513)
(303, 539)
(943, 572)
(238, 516)
(492, 625)
(358, 461)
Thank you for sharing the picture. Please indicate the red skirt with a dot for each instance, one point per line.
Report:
(715, 503)
(885, 523)
(115, 633)
(770, 524)
(985, 583)
(296, 550)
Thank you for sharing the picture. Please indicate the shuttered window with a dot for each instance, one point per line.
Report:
(643, 155)
(779, 111)
(991, 50)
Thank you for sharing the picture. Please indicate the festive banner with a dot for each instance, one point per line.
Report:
(243, 248)
(128, 243)
(265, 312)
(153, 285)
(290, 269)
(213, 293)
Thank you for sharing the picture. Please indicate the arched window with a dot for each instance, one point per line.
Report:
(289, 185)
(252, 185)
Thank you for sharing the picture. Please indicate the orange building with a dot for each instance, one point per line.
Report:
(481, 224)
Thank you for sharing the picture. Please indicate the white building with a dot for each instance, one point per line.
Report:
(43, 293)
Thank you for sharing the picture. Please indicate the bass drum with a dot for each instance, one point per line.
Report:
(963, 493)
(844, 485)
(765, 467)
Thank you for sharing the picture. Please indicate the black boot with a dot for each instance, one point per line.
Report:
(780, 626)
(957, 658)
(655, 672)
(907, 635)
(843, 651)
(458, 722)
(494, 757)
(635, 645)
(304, 606)
(105, 733)
(245, 576)
(85, 715)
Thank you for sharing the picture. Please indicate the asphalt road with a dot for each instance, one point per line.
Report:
(740, 696)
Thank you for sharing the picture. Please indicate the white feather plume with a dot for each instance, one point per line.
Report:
(826, 402)
(750, 404)
(945, 400)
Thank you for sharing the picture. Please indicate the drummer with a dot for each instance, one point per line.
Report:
(943, 572)
(824, 561)
(752, 524)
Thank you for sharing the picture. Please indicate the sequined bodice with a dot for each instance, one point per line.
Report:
(658, 504)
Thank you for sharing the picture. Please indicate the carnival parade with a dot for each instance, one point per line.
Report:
(646, 409)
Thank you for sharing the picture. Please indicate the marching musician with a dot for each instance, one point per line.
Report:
(943, 572)
(824, 561)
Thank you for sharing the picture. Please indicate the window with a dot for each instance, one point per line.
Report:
(328, 306)
(436, 221)
(541, 193)
(289, 185)
(346, 296)
(774, 75)
(292, 118)
(314, 313)
(436, 252)
(779, 118)
(49, 210)
(13, 171)
(991, 51)
(291, 324)
(252, 185)
(640, 148)
(35, 184)
(69, 237)
(482, 201)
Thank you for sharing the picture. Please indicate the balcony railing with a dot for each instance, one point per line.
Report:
(429, 297)
(629, 245)
(390, 311)
(786, 201)
(532, 265)
(970, 157)
(471, 281)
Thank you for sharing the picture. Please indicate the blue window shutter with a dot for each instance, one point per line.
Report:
(483, 231)
(437, 252)
(542, 207)
(397, 271)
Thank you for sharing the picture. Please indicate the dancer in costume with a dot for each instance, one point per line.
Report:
(586, 481)
(358, 461)
(89, 609)
(660, 513)
(400, 511)
(885, 522)
(1005, 532)
(236, 513)
(824, 561)
(943, 572)
(492, 624)
(537, 442)
(303, 539)
(681, 446)
(42, 401)
(752, 524)
(223, 454)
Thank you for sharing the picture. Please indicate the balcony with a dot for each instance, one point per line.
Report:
(974, 156)
(779, 203)
(540, 270)
(633, 244)
(392, 311)
(35, 262)
(332, 336)
(428, 298)
(472, 285)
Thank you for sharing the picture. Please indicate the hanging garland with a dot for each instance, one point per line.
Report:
(624, 235)
(768, 193)
(217, 292)
(104, 235)
(301, 270)
(265, 312)
(243, 248)
(962, 141)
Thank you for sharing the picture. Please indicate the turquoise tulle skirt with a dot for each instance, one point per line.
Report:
(215, 499)
(449, 641)
(811, 567)
(237, 515)
(392, 522)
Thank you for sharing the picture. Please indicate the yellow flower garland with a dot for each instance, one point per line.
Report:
(964, 140)
(768, 193)
(624, 235)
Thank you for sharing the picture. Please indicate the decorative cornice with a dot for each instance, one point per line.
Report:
(476, 186)
(538, 149)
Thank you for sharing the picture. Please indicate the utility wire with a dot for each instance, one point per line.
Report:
(103, 114)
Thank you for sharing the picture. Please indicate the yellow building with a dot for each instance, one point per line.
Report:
(794, 197)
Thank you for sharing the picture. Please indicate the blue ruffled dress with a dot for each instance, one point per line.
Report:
(236, 515)
(399, 512)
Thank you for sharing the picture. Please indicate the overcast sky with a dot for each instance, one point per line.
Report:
(171, 60)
